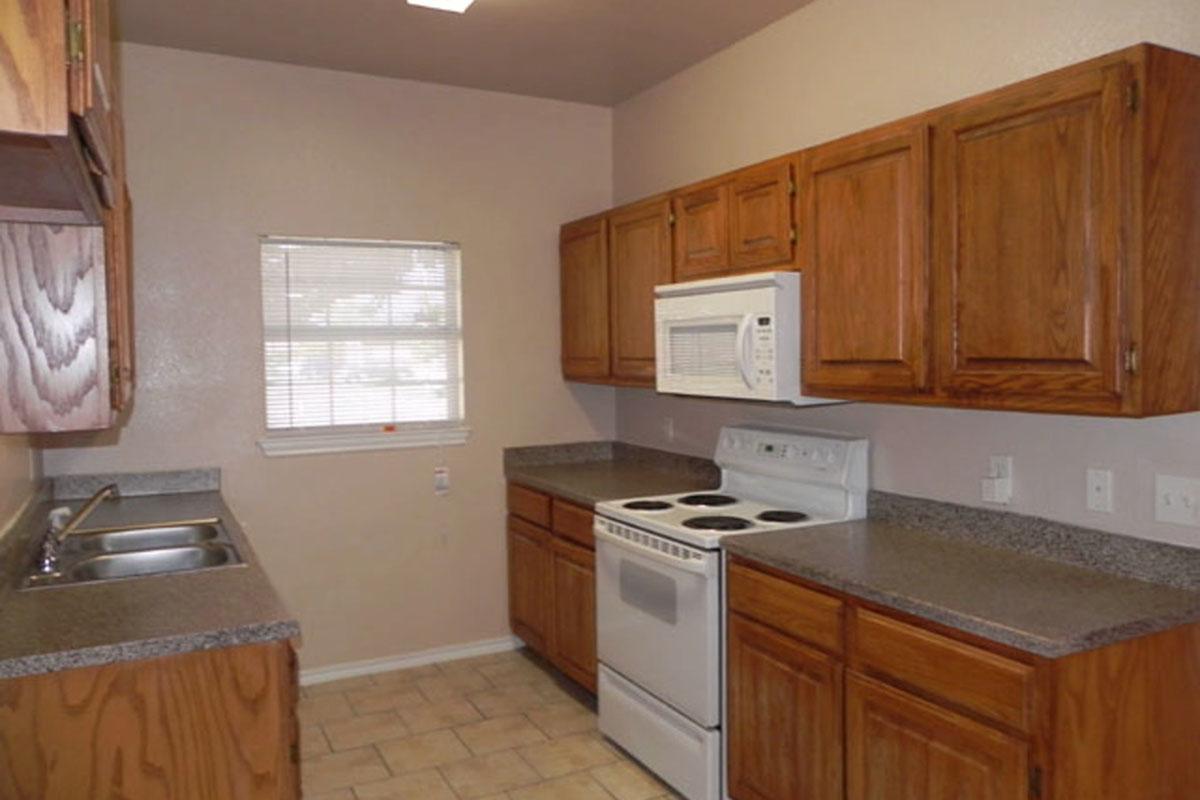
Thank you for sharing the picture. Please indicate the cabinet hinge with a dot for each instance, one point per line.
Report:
(1035, 782)
(792, 235)
(1133, 99)
(1131, 359)
(791, 187)
(74, 42)
(671, 218)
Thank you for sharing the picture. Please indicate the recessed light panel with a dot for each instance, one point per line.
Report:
(457, 6)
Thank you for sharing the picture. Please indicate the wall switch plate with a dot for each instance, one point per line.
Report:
(1177, 500)
(1100, 490)
(441, 480)
(997, 487)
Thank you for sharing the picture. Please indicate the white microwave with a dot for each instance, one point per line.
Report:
(735, 337)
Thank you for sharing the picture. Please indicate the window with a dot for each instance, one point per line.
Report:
(362, 345)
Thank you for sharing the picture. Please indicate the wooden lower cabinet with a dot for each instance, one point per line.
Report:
(900, 747)
(784, 717)
(552, 581)
(574, 636)
(530, 583)
(211, 724)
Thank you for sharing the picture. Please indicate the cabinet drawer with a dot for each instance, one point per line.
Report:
(798, 612)
(572, 522)
(959, 673)
(528, 504)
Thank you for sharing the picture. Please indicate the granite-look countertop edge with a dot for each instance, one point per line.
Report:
(55, 628)
(1179, 607)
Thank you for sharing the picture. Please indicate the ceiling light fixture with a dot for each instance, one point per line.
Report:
(457, 6)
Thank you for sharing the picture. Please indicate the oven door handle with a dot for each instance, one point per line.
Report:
(700, 566)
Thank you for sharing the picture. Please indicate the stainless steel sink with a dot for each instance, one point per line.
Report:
(120, 540)
(88, 556)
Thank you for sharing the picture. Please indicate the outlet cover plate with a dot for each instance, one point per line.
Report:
(1177, 500)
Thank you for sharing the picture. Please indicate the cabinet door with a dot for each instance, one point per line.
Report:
(530, 584)
(583, 249)
(760, 221)
(701, 231)
(866, 267)
(901, 748)
(639, 259)
(575, 612)
(785, 717)
(90, 89)
(1029, 213)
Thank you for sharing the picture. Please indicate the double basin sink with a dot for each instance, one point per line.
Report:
(87, 556)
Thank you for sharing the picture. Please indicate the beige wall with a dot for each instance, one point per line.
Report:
(19, 471)
(837, 66)
(222, 150)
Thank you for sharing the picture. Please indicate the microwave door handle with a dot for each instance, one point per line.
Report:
(745, 359)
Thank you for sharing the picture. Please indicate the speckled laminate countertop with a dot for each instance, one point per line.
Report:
(589, 472)
(63, 627)
(1030, 602)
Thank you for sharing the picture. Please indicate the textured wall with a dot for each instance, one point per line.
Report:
(837, 66)
(222, 150)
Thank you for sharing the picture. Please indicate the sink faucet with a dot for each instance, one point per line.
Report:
(57, 533)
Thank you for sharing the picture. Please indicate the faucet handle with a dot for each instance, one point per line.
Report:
(58, 517)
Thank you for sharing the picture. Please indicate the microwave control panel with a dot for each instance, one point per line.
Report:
(764, 350)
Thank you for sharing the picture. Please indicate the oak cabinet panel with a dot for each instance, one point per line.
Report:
(90, 77)
(898, 746)
(530, 583)
(802, 613)
(530, 505)
(573, 523)
(785, 717)
(639, 260)
(574, 640)
(760, 217)
(583, 248)
(1029, 205)
(218, 723)
(701, 231)
(866, 268)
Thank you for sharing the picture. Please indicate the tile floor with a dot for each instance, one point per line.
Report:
(500, 727)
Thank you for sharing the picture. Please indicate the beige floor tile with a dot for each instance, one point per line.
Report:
(312, 741)
(572, 787)
(627, 781)
(560, 757)
(342, 770)
(426, 785)
(329, 687)
(490, 774)
(453, 684)
(374, 699)
(325, 708)
(506, 700)
(443, 714)
(562, 719)
(422, 751)
(516, 673)
(501, 733)
(400, 677)
(337, 794)
(346, 734)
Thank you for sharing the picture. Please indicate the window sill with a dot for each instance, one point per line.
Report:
(305, 444)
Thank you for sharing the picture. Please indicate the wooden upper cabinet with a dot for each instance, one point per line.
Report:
(639, 260)
(583, 248)
(91, 90)
(701, 231)
(761, 232)
(900, 746)
(864, 232)
(1030, 205)
(785, 717)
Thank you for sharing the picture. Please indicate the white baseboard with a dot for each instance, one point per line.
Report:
(353, 669)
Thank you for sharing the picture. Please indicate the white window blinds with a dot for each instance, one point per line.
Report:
(361, 334)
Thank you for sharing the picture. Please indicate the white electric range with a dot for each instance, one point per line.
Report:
(659, 596)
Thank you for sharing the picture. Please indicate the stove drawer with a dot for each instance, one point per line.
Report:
(792, 609)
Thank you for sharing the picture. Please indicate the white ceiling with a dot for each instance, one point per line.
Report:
(591, 51)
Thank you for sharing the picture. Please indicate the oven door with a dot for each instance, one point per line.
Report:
(658, 617)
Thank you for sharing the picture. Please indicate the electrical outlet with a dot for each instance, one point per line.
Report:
(1177, 500)
(997, 487)
(441, 480)
(1100, 490)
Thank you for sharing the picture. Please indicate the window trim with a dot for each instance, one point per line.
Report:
(353, 439)
(364, 438)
